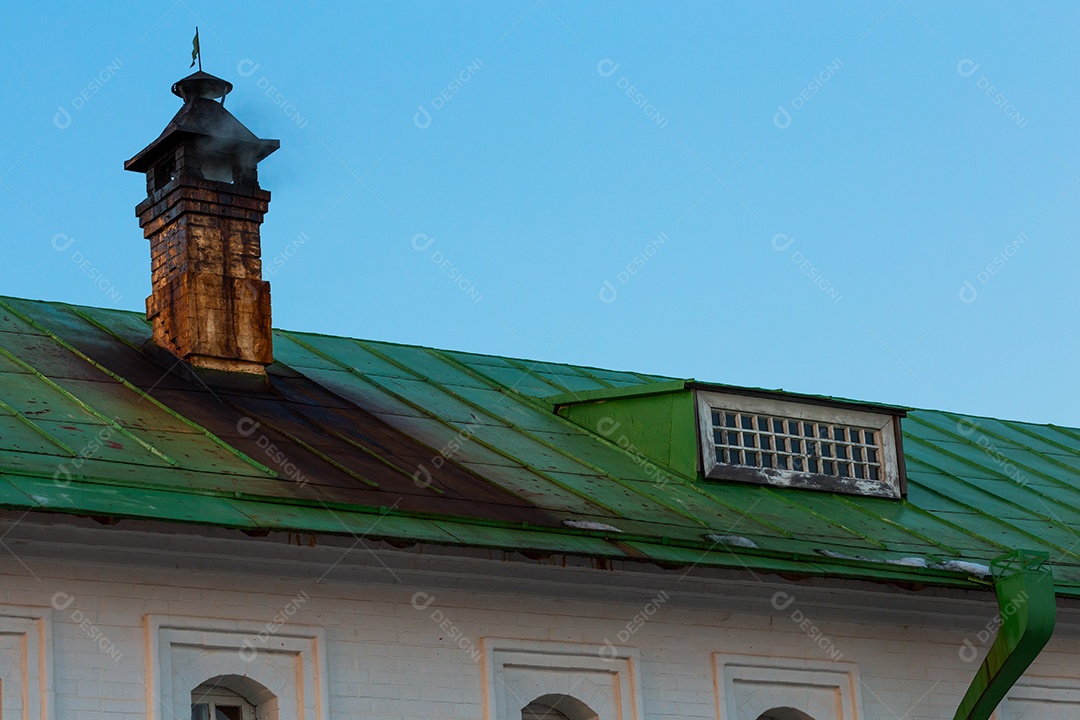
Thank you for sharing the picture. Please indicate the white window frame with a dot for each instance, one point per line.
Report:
(26, 676)
(748, 685)
(221, 696)
(889, 485)
(184, 652)
(517, 672)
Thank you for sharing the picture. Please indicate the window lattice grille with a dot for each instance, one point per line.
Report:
(821, 448)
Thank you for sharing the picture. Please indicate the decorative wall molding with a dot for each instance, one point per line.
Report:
(1041, 698)
(516, 672)
(183, 652)
(26, 663)
(748, 685)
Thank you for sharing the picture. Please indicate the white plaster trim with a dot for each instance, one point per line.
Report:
(1061, 694)
(295, 652)
(784, 677)
(608, 683)
(32, 627)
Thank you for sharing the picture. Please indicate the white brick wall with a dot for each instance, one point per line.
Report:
(388, 659)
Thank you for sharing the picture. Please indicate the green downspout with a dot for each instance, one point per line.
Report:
(1026, 600)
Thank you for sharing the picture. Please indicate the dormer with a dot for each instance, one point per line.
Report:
(731, 434)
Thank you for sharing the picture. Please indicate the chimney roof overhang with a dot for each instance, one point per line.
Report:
(204, 118)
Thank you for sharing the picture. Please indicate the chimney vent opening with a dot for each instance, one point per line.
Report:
(163, 172)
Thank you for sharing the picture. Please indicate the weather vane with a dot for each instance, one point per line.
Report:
(196, 53)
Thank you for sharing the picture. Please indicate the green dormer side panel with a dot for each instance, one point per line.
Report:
(657, 421)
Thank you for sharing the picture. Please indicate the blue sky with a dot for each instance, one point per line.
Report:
(873, 200)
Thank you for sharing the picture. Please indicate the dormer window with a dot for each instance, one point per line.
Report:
(722, 432)
(793, 442)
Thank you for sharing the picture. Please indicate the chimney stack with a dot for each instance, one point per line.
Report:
(209, 305)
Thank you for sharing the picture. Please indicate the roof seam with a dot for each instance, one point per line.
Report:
(1012, 461)
(551, 446)
(381, 388)
(999, 521)
(111, 422)
(162, 406)
(1002, 476)
(684, 481)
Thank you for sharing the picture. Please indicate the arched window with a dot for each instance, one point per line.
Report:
(213, 702)
(232, 697)
(536, 711)
(784, 713)
(557, 707)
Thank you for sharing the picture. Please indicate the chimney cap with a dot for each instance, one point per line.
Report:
(204, 121)
(201, 85)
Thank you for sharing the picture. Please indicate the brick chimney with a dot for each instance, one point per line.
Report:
(209, 305)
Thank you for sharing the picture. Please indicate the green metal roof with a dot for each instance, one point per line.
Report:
(94, 423)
